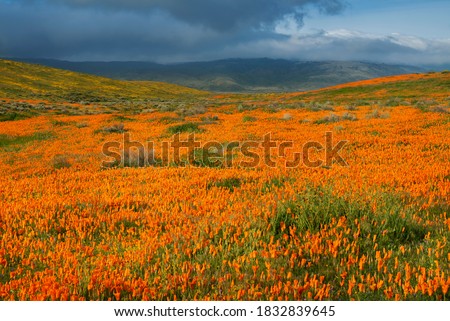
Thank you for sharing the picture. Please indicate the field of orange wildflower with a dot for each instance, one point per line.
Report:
(377, 229)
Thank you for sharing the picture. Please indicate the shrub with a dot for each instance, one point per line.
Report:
(351, 107)
(6, 140)
(243, 107)
(122, 118)
(318, 106)
(274, 183)
(13, 116)
(395, 102)
(311, 210)
(191, 111)
(116, 128)
(61, 161)
(287, 116)
(207, 158)
(209, 119)
(82, 125)
(331, 118)
(169, 120)
(349, 116)
(227, 183)
(135, 157)
(59, 123)
(248, 118)
(184, 128)
(363, 102)
(271, 109)
(138, 158)
(167, 108)
(440, 109)
(425, 104)
(376, 114)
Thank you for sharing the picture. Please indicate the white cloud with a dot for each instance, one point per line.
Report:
(343, 44)
(409, 41)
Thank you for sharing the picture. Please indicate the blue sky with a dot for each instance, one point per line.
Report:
(429, 19)
(396, 31)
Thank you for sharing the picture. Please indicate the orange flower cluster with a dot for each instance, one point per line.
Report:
(75, 231)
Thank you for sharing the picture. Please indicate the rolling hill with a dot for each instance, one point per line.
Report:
(412, 86)
(239, 75)
(37, 89)
(31, 81)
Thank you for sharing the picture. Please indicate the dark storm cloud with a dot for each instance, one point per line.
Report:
(216, 14)
(80, 34)
(162, 30)
(188, 30)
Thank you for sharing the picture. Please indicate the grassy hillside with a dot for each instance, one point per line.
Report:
(27, 90)
(239, 75)
(413, 86)
(29, 81)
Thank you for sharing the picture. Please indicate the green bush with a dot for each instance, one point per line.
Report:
(331, 118)
(349, 116)
(392, 221)
(376, 114)
(6, 140)
(61, 161)
(227, 183)
(247, 119)
(184, 128)
(116, 128)
(13, 116)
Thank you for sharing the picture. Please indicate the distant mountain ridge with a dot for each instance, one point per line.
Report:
(239, 75)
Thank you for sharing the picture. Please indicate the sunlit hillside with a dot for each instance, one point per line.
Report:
(21, 80)
(413, 86)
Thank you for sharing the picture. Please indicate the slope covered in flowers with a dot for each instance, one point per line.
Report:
(377, 229)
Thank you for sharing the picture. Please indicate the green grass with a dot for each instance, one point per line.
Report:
(184, 128)
(208, 158)
(311, 210)
(61, 161)
(227, 183)
(6, 141)
(331, 118)
(30, 81)
(122, 118)
(13, 116)
(247, 119)
(116, 128)
(274, 183)
(168, 120)
(60, 123)
(397, 91)
(364, 231)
